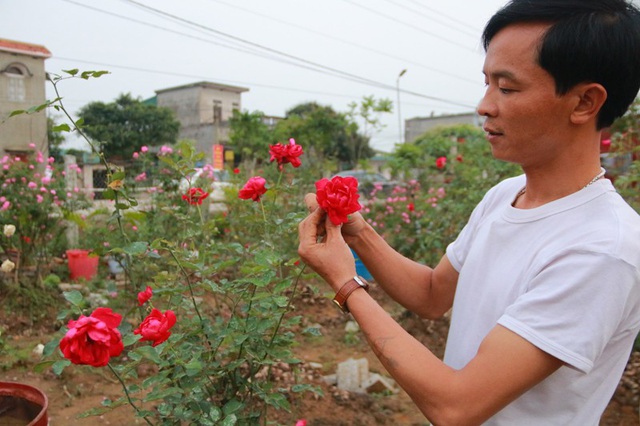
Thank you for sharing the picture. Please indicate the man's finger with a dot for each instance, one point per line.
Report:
(311, 202)
(333, 231)
(308, 228)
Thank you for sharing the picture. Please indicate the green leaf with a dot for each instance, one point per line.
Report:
(74, 297)
(313, 331)
(59, 366)
(278, 400)
(79, 122)
(193, 367)
(17, 112)
(130, 339)
(50, 347)
(150, 353)
(231, 407)
(64, 127)
(72, 71)
(229, 420)
(136, 248)
(163, 393)
(215, 414)
(42, 366)
(118, 176)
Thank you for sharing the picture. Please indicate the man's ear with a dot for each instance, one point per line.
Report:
(590, 98)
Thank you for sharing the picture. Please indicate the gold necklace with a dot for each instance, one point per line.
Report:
(591, 182)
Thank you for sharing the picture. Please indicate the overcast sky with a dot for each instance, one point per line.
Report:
(284, 51)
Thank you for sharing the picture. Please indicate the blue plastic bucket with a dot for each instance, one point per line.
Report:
(360, 268)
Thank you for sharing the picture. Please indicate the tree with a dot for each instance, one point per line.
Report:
(368, 111)
(120, 128)
(328, 134)
(249, 136)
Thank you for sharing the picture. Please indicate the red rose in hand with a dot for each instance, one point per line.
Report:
(156, 326)
(338, 197)
(144, 296)
(284, 154)
(253, 189)
(93, 340)
(441, 162)
(195, 196)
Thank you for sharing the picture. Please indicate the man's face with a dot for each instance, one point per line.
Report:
(526, 121)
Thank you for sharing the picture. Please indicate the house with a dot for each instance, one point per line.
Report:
(414, 127)
(203, 110)
(22, 86)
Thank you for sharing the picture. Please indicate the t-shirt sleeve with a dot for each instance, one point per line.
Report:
(573, 306)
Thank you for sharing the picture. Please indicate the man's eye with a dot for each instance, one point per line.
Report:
(506, 91)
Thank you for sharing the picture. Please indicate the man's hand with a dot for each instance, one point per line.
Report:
(329, 256)
(350, 230)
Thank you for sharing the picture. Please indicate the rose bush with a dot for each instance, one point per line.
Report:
(35, 204)
(206, 300)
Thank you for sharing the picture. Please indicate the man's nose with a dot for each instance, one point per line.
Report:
(486, 106)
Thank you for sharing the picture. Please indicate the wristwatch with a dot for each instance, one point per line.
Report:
(345, 291)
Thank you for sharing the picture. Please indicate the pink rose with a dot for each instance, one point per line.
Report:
(284, 154)
(93, 340)
(195, 196)
(156, 326)
(144, 296)
(253, 189)
(338, 197)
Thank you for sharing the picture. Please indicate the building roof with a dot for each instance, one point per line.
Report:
(444, 116)
(23, 48)
(207, 85)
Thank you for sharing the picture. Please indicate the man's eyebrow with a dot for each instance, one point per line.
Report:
(501, 74)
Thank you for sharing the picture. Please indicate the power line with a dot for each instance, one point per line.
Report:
(208, 78)
(430, 18)
(332, 71)
(331, 37)
(422, 30)
(452, 19)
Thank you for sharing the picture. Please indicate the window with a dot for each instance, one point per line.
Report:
(16, 74)
(217, 111)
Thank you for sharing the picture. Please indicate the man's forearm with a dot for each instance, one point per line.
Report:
(406, 281)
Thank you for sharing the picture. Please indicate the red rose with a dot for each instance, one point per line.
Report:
(441, 162)
(411, 207)
(236, 171)
(156, 326)
(284, 154)
(195, 196)
(93, 340)
(144, 296)
(253, 189)
(338, 197)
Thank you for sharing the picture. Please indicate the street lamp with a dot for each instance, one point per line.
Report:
(400, 138)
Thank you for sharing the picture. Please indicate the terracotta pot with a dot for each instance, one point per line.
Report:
(22, 405)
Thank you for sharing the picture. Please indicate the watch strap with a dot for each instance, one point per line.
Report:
(345, 291)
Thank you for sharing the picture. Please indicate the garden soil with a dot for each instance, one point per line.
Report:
(80, 389)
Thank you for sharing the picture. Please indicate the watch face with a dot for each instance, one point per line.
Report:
(361, 282)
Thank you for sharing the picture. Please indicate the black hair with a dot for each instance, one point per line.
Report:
(594, 41)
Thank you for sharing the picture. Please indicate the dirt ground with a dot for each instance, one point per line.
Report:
(80, 389)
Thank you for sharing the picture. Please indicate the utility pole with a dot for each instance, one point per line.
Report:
(400, 138)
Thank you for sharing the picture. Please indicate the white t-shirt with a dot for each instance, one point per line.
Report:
(566, 277)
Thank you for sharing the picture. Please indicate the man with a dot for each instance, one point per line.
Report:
(544, 279)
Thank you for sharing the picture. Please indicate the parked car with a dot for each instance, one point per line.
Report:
(368, 180)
